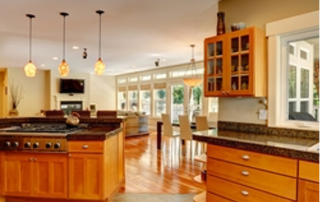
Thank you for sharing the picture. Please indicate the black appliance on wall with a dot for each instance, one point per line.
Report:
(71, 86)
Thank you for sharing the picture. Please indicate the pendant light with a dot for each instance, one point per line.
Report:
(30, 69)
(64, 67)
(99, 66)
(192, 77)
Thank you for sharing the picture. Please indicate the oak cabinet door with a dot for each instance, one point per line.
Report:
(308, 191)
(50, 175)
(85, 176)
(17, 178)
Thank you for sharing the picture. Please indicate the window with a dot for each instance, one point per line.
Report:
(145, 78)
(160, 76)
(145, 101)
(120, 81)
(160, 101)
(122, 100)
(133, 100)
(196, 102)
(177, 102)
(133, 79)
(293, 58)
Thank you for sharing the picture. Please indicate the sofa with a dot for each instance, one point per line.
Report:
(137, 123)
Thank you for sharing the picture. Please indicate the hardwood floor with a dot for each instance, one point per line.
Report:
(169, 171)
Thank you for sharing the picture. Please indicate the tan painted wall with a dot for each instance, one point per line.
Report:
(103, 92)
(255, 13)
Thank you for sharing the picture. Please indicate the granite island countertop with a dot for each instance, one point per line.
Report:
(93, 134)
(285, 146)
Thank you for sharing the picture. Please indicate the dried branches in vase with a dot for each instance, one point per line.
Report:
(17, 93)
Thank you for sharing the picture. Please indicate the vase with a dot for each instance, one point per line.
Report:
(220, 25)
(13, 112)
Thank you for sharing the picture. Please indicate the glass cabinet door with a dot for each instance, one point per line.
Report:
(215, 67)
(240, 62)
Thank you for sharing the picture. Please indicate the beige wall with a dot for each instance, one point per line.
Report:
(255, 13)
(35, 90)
(103, 92)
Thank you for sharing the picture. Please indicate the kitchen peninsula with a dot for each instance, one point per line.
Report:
(43, 159)
(252, 162)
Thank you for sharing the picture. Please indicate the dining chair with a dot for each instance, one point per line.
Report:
(169, 132)
(202, 123)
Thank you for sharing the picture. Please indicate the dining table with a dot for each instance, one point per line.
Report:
(211, 124)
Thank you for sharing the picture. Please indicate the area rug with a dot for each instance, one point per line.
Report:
(153, 198)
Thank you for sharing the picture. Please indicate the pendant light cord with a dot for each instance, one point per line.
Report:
(100, 36)
(64, 38)
(30, 38)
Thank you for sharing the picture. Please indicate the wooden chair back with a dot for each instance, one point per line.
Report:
(185, 129)
(202, 123)
(106, 113)
(83, 113)
(55, 113)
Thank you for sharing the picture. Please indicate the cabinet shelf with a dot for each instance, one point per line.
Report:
(200, 197)
(243, 61)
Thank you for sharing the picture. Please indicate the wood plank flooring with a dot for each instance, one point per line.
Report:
(170, 170)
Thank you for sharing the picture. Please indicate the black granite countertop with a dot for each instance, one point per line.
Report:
(92, 134)
(285, 146)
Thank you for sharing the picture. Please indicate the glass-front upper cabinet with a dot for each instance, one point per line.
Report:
(235, 64)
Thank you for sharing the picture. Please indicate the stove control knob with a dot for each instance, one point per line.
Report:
(57, 145)
(27, 145)
(7, 144)
(15, 144)
(48, 145)
(35, 145)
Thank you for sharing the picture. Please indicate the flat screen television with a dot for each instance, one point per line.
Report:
(72, 86)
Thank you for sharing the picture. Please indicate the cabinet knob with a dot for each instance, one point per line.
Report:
(244, 193)
(35, 159)
(245, 173)
(85, 146)
(228, 92)
(245, 157)
(30, 159)
(223, 93)
(70, 155)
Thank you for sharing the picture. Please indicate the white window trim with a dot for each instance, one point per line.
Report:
(276, 31)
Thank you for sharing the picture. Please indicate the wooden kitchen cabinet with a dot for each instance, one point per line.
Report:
(85, 176)
(235, 64)
(30, 174)
(308, 191)
(50, 175)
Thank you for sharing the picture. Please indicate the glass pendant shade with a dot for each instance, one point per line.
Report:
(99, 67)
(30, 69)
(192, 78)
(64, 68)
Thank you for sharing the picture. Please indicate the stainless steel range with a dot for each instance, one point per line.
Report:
(36, 137)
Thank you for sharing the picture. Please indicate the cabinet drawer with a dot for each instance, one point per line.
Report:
(262, 180)
(271, 163)
(86, 147)
(236, 192)
(212, 197)
(309, 171)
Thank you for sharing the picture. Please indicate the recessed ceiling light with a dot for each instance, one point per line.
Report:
(55, 58)
(43, 65)
(75, 47)
(163, 60)
(133, 66)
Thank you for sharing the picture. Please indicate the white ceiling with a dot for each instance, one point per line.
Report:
(134, 32)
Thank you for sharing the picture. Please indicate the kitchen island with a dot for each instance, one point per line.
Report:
(261, 166)
(82, 164)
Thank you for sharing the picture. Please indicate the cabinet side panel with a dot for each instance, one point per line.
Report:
(260, 63)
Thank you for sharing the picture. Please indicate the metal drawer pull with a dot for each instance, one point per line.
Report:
(245, 157)
(244, 193)
(85, 146)
(245, 173)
